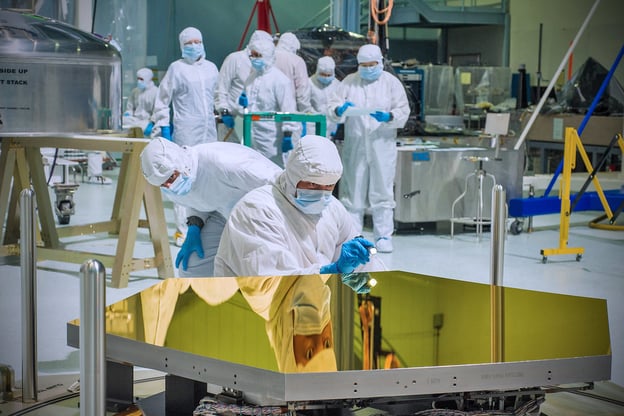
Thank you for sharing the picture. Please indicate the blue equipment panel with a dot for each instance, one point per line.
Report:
(589, 201)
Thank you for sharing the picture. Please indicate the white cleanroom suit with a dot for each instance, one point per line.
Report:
(321, 87)
(268, 234)
(189, 87)
(221, 173)
(233, 73)
(293, 306)
(369, 150)
(294, 67)
(269, 90)
(140, 105)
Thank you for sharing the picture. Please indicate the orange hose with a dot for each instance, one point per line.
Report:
(366, 315)
(391, 361)
(375, 11)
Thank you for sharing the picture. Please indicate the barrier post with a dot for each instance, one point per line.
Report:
(497, 251)
(28, 266)
(92, 339)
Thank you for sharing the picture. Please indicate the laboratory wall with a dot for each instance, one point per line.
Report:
(424, 51)
(222, 24)
(480, 45)
(561, 20)
(125, 23)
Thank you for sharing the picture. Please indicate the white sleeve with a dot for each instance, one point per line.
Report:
(336, 99)
(302, 87)
(288, 104)
(131, 105)
(400, 105)
(224, 83)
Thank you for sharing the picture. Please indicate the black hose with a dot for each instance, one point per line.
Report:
(53, 166)
(93, 16)
(45, 403)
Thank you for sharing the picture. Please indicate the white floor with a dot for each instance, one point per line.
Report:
(599, 274)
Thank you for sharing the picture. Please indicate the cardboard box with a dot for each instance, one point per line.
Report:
(551, 128)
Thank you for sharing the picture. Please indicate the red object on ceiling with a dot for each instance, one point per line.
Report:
(264, 10)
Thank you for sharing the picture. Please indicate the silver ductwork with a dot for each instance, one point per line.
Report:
(56, 78)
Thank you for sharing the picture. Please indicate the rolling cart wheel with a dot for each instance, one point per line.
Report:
(64, 211)
(544, 260)
(579, 257)
(516, 227)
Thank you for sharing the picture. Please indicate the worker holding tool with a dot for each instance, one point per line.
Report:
(296, 226)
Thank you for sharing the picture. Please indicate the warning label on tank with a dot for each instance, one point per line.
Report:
(13, 82)
(18, 86)
(13, 76)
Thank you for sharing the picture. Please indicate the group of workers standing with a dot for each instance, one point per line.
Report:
(269, 209)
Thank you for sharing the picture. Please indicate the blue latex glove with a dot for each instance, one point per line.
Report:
(148, 129)
(352, 254)
(243, 101)
(228, 121)
(381, 116)
(192, 244)
(357, 281)
(165, 131)
(127, 114)
(340, 110)
(287, 144)
(304, 128)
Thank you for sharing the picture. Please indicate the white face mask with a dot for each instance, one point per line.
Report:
(312, 201)
(325, 80)
(370, 73)
(193, 51)
(258, 64)
(311, 311)
(181, 186)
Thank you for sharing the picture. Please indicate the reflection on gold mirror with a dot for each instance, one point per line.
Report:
(407, 320)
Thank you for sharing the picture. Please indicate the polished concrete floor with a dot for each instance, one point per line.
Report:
(599, 274)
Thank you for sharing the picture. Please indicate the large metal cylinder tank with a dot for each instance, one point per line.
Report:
(56, 78)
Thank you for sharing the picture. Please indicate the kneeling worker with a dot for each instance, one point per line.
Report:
(208, 179)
